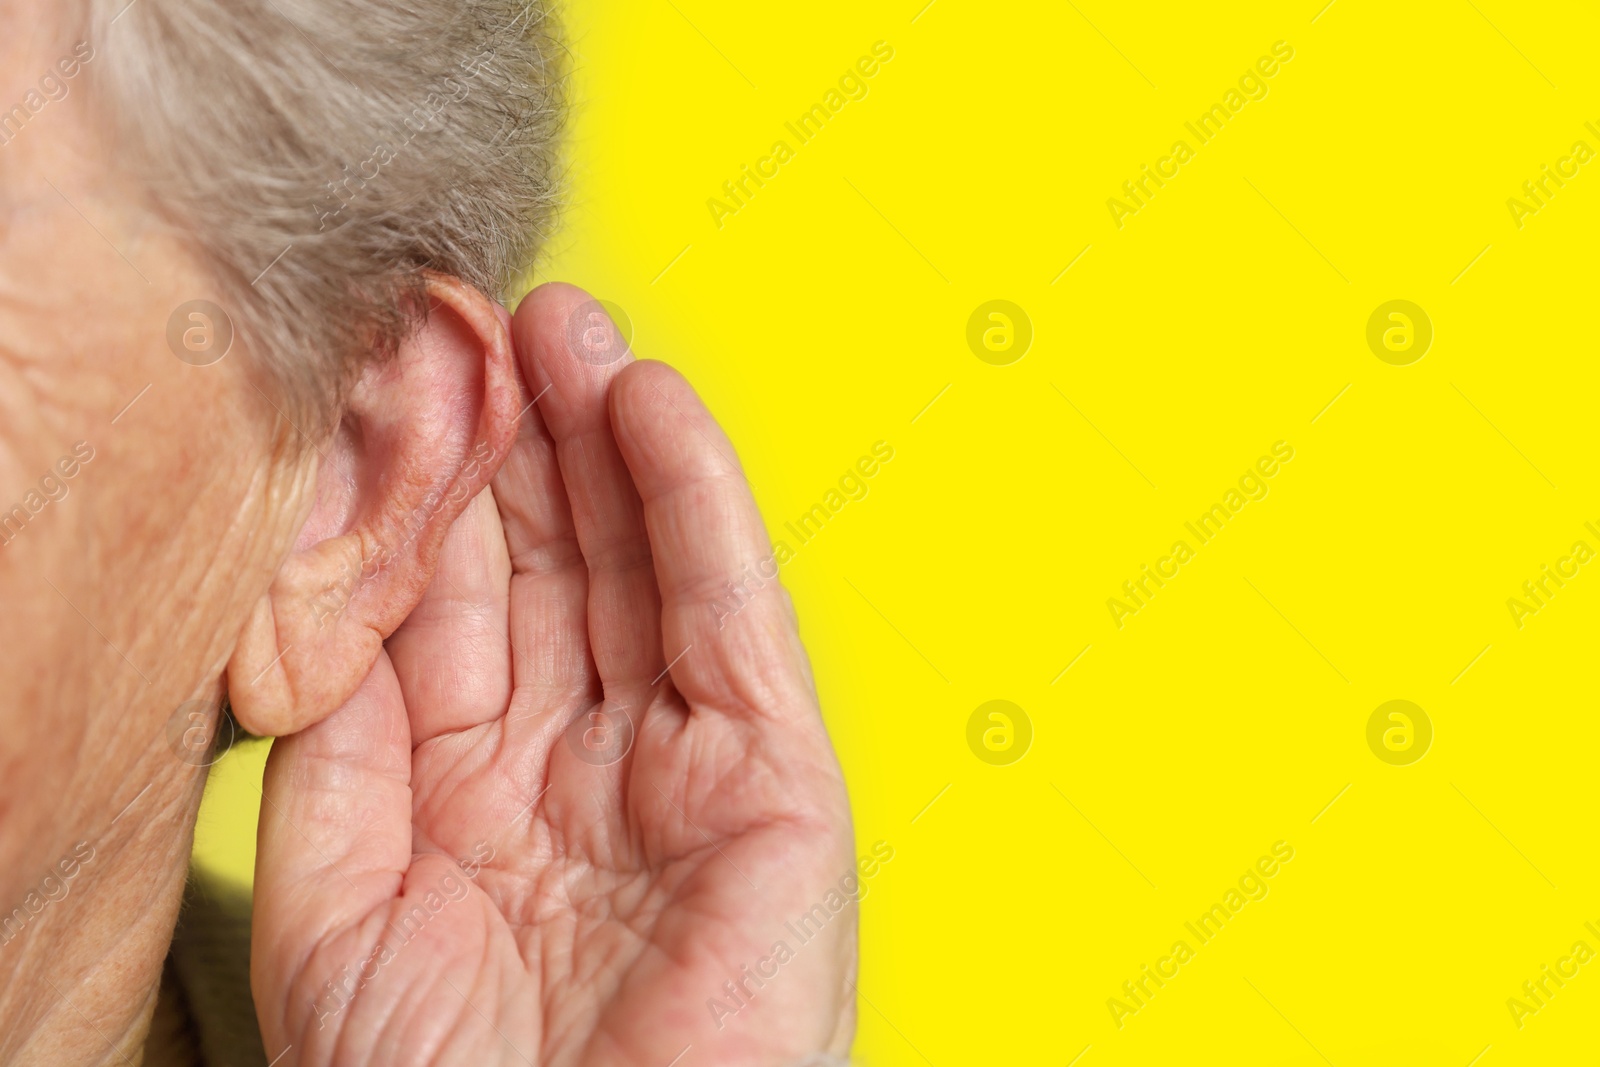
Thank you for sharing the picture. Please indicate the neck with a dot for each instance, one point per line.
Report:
(82, 951)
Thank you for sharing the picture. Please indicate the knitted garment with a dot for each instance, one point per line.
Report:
(204, 1014)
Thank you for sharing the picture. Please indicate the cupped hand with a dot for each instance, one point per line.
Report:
(584, 810)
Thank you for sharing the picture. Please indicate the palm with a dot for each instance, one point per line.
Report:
(526, 839)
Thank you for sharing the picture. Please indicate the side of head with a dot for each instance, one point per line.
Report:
(250, 262)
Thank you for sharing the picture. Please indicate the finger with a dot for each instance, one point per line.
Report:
(452, 655)
(717, 571)
(550, 581)
(563, 342)
(334, 838)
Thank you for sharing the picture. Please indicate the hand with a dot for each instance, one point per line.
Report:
(578, 795)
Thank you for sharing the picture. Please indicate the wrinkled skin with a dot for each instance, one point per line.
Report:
(457, 867)
(168, 567)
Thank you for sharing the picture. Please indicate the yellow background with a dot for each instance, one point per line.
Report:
(1224, 316)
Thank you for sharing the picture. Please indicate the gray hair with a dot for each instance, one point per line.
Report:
(320, 155)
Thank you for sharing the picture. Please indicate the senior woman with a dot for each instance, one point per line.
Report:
(271, 437)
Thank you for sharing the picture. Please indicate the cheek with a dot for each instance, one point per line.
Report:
(125, 597)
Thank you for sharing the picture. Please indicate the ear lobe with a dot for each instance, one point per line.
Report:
(423, 434)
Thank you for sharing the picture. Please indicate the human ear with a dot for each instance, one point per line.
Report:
(422, 433)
